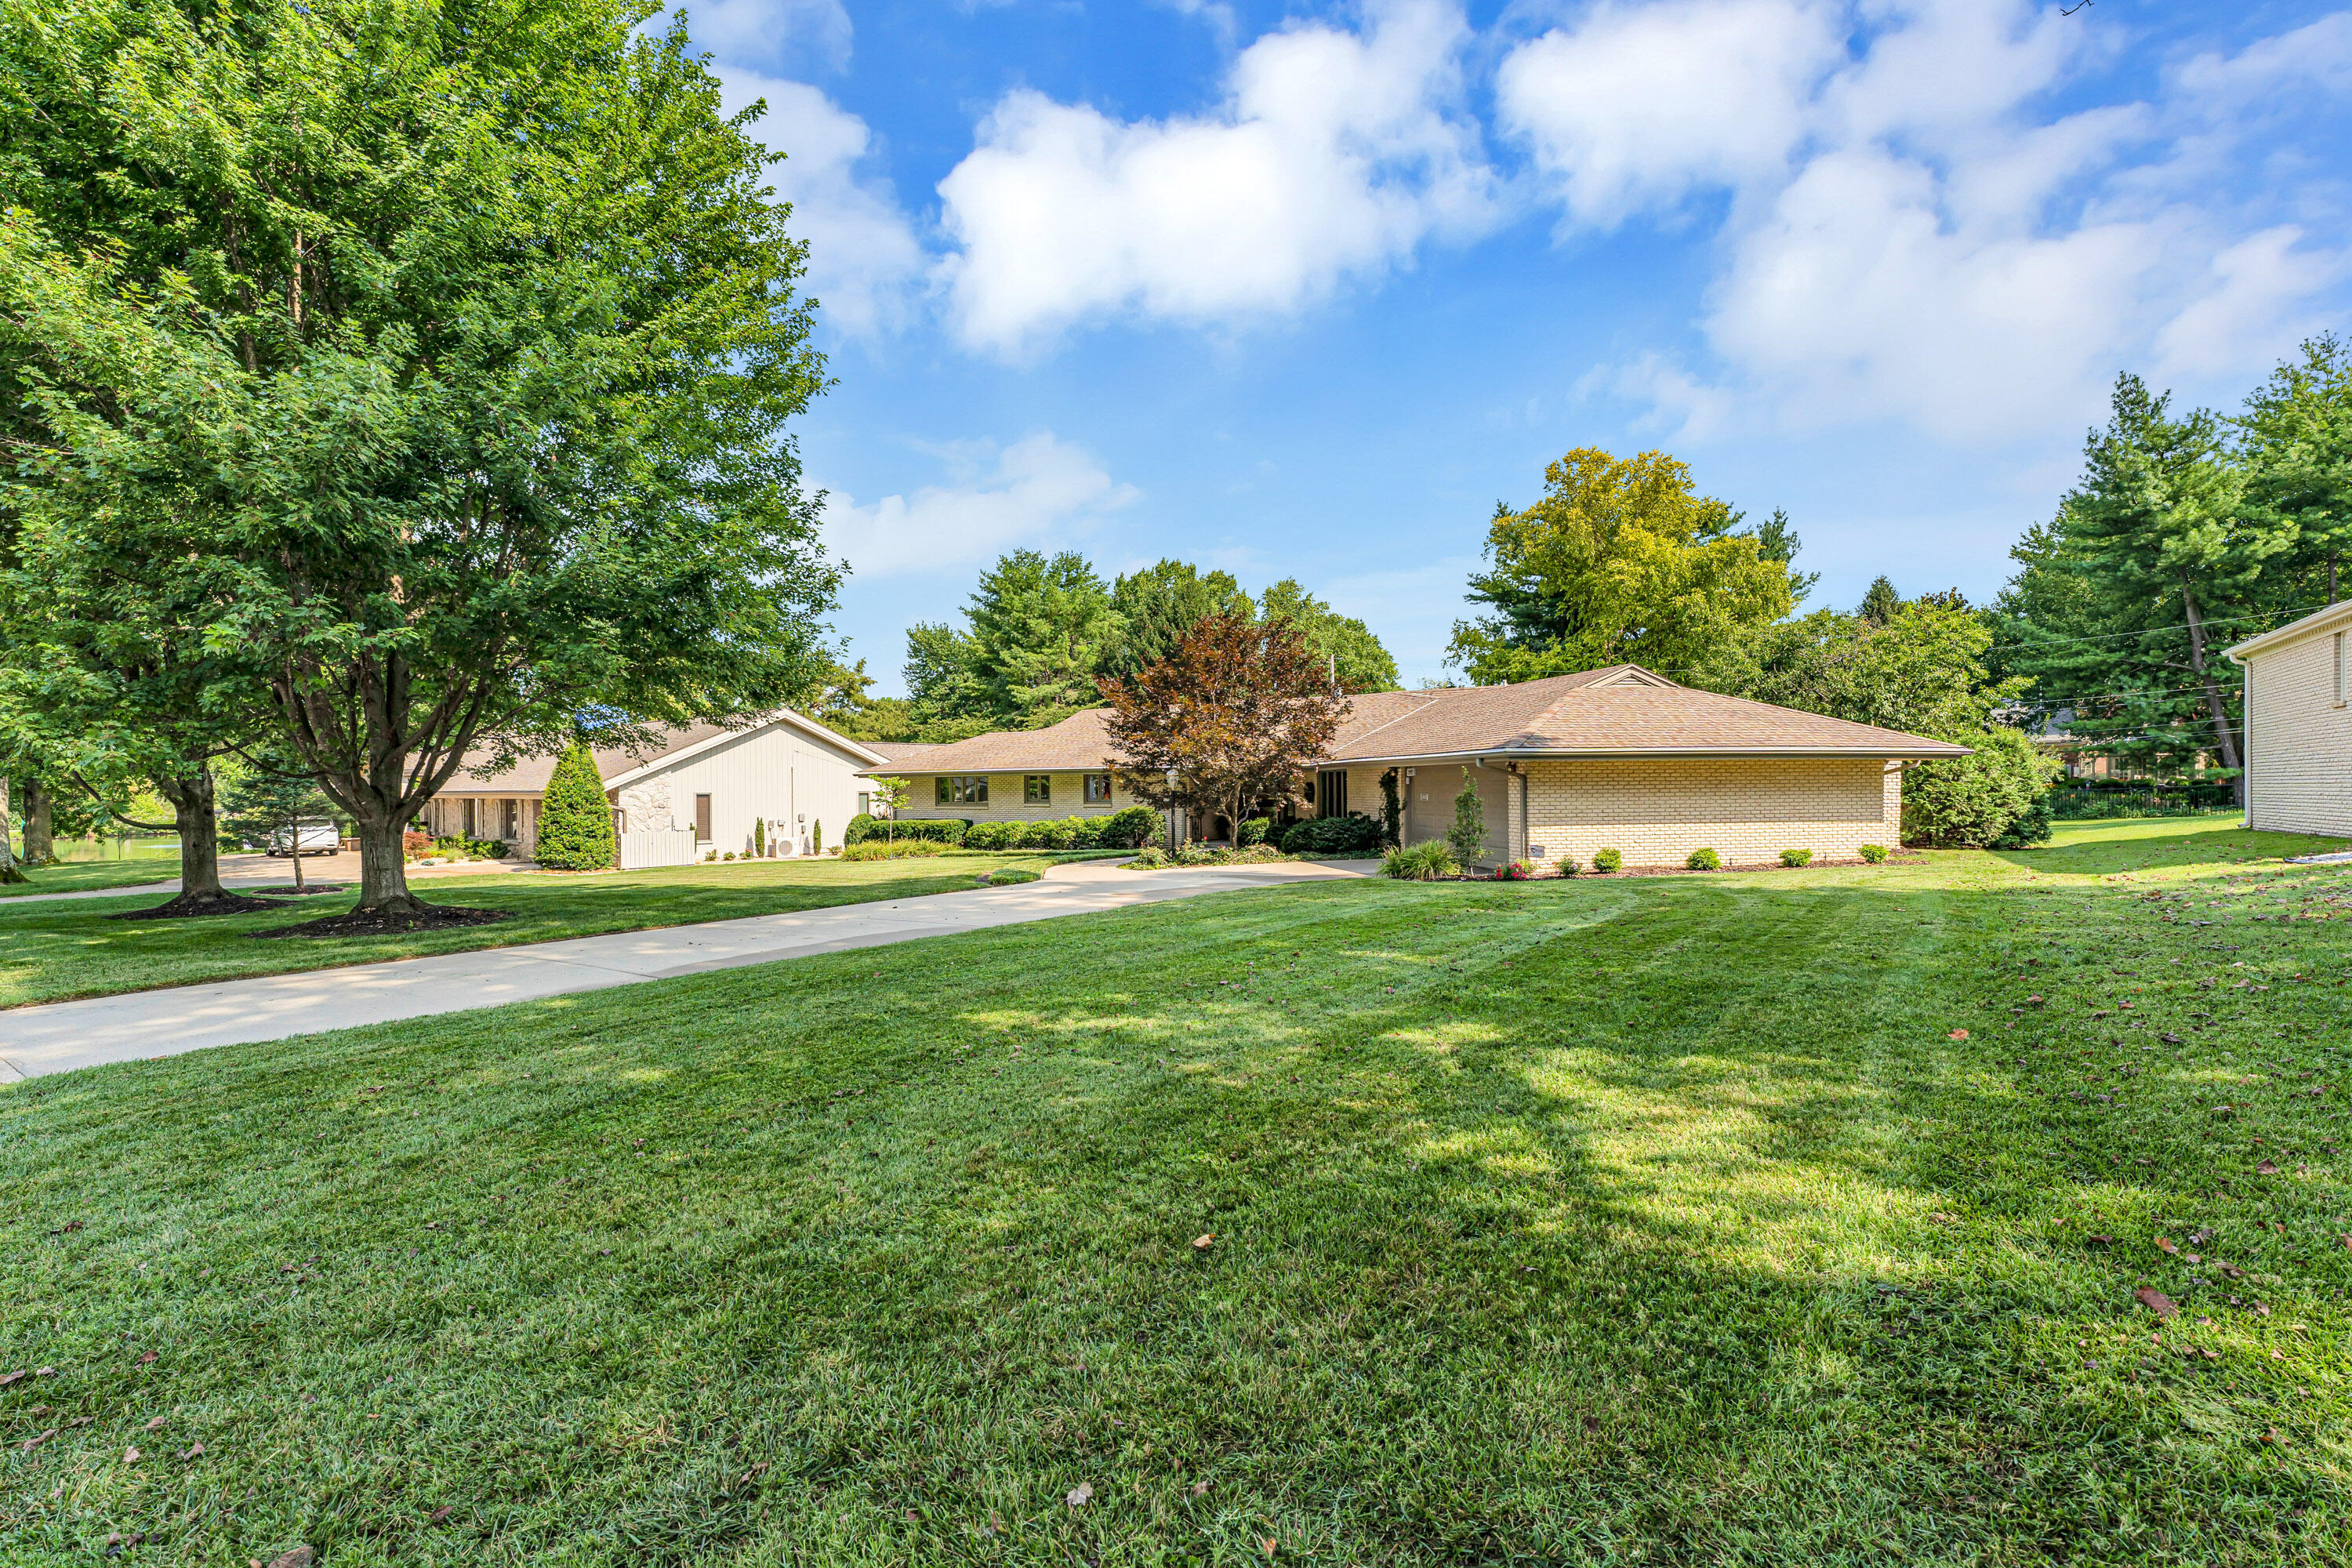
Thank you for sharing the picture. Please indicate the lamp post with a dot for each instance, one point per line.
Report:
(1171, 811)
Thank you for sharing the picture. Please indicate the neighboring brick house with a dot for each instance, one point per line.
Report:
(2298, 726)
(1618, 758)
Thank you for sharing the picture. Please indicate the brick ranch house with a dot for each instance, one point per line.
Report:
(1618, 758)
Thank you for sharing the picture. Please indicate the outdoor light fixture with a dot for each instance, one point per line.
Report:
(1171, 811)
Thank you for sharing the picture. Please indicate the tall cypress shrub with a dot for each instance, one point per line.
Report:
(575, 824)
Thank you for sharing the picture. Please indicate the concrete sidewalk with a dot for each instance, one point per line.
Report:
(59, 1036)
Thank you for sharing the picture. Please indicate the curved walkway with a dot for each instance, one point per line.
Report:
(59, 1036)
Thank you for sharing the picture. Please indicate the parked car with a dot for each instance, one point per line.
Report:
(311, 838)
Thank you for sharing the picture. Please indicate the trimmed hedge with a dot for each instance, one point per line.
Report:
(1346, 835)
(938, 830)
(1130, 827)
(1254, 831)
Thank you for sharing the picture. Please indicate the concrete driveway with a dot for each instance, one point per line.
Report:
(59, 1036)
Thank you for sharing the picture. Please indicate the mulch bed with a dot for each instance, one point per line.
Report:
(187, 907)
(307, 890)
(435, 917)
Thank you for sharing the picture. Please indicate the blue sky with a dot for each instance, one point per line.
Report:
(1304, 291)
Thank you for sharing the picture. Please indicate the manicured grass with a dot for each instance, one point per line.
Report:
(50, 951)
(84, 876)
(1657, 1220)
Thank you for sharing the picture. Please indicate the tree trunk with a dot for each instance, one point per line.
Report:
(8, 872)
(40, 840)
(297, 852)
(383, 869)
(2213, 704)
(191, 814)
(201, 893)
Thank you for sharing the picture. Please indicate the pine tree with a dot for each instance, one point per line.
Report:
(575, 822)
(1879, 601)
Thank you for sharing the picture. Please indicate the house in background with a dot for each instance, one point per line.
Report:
(1619, 758)
(697, 790)
(2298, 726)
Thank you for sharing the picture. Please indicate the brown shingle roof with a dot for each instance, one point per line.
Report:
(900, 751)
(529, 776)
(1618, 711)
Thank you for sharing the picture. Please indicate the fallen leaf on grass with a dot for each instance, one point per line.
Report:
(2155, 1300)
(130, 1456)
(300, 1557)
(2265, 1168)
(8, 1377)
(36, 1442)
(2165, 1246)
(437, 1515)
(1080, 1495)
(1957, 1035)
(1203, 1243)
(196, 1453)
(148, 1357)
(159, 1421)
(1199, 1488)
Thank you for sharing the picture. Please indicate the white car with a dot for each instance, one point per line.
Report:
(311, 838)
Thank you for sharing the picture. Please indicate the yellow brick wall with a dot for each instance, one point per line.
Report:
(1747, 809)
(1004, 801)
(2298, 739)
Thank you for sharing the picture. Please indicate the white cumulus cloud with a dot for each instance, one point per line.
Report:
(1913, 234)
(1037, 489)
(1636, 106)
(863, 257)
(1335, 153)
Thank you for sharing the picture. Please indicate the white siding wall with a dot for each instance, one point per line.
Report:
(776, 774)
(2298, 739)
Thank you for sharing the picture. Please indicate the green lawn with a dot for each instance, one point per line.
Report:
(1636, 1220)
(83, 875)
(49, 952)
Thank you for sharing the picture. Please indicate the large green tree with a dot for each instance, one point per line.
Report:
(1041, 628)
(2295, 439)
(2155, 562)
(1346, 646)
(460, 337)
(1921, 670)
(1621, 561)
(1159, 607)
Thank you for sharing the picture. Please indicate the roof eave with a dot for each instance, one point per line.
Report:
(1527, 753)
(2318, 620)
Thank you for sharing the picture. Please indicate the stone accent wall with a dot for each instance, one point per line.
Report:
(1747, 809)
(647, 806)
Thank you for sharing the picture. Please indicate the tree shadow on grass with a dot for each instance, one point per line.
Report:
(1595, 1226)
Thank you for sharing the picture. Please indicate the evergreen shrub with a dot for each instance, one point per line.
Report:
(575, 823)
